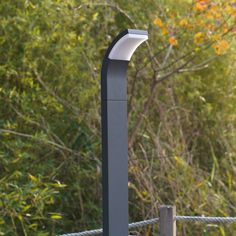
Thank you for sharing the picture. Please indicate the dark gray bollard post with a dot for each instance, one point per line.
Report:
(115, 132)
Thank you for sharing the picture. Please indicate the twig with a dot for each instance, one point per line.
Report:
(24, 135)
(62, 101)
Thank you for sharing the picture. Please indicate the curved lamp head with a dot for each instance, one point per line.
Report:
(115, 63)
(124, 45)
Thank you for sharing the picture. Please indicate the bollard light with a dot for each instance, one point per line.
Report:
(115, 131)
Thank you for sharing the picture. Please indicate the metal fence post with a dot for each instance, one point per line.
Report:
(167, 221)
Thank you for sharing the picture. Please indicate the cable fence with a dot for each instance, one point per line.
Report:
(203, 219)
(99, 231)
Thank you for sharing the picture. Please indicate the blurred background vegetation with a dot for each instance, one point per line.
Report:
(182, 113)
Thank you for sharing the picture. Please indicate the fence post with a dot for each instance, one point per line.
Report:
(167, 221)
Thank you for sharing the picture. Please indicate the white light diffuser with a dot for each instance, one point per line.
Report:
(125, 47)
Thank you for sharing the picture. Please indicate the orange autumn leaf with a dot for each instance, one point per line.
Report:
(209, 16)
(200, 6)
(210, 27)
(221, 47)
(158, 22)
(173, 41)
(203, 1)
(226, 29)
(209, 22)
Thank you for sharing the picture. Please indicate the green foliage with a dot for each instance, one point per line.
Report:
(182, 129)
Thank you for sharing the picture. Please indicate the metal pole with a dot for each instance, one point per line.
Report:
(115, 131)
(167, 221)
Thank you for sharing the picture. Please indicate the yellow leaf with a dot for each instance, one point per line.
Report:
(33, 178)
(144, 193)
(200, 184)
(180, 161)
(15, 160)
(184, 23)
(158, 22)
(95, 16)
(26, 208)
(231, 10)
(230, 180)
(222, 231)
(199, 38)
(216, 37)
(56, 217)
(164, 31)
(197, 49)
(33, 226)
